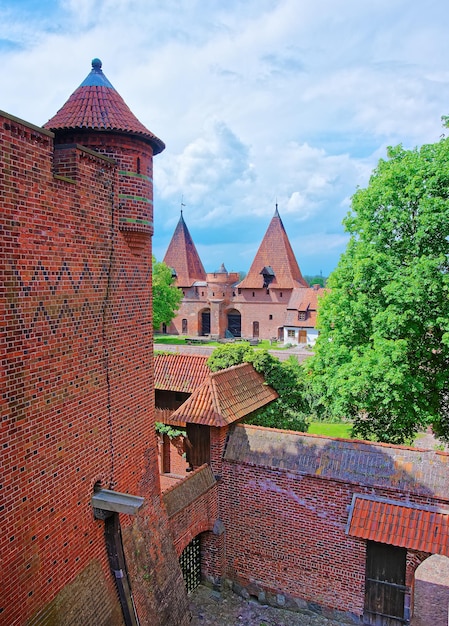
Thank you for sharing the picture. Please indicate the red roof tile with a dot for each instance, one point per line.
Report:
(183, 257)
(303, 299)
(180, 372)
(225, 397)
(96, 105)
(275, 252)
(400, 524)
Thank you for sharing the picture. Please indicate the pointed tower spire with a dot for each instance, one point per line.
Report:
(96, 105)
(275, 257)
(183, 257)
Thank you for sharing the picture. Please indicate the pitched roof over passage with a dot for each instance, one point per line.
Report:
(225, 397)
(182, 256)
(180, 372)
(275, 252)
(96, 105)
(399, 524)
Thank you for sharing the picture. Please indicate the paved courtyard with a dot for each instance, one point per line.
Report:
(225, 608)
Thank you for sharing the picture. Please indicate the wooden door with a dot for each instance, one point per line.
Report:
(384, 585)
(198, 448)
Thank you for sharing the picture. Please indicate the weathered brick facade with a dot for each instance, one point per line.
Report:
(78, 401)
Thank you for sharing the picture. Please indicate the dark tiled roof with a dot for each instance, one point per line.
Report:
(225, 397)
(359, 462)
(96, 105)
(185, 492)
(183, 257)
(275, 252)
(400, 524)
(180, 372)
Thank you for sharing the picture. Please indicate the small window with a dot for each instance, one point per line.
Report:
(302, 315)
(233, 294)
(270, 317)
(268, 291)
(202, 293)
(280, 294)
(291, 333)
(240, 291)
(138, 165)
(253, 294)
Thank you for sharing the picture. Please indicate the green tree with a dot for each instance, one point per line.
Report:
(382, 356)
(166, 297)
(316, 279)
(290, 409)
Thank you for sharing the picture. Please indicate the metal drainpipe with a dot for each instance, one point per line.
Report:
(114, 546)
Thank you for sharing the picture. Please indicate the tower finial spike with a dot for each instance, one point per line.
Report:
(182, 203)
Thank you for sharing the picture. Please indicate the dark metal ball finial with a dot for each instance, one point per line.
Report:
(96, 64)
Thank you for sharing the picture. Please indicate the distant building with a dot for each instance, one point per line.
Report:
(272, 302)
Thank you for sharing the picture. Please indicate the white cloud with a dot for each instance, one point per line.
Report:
(258, 100)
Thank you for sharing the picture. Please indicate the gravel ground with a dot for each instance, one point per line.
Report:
(225, 608)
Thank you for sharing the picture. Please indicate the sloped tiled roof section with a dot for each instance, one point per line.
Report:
(183, 257)
(303, 299)
(380, 465)
(400, 524)
(96, 105)
(225, 397)
(180, 372)
(275, 252)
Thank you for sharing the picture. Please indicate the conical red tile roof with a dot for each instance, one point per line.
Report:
(96, 105)
(183, 257)
(276, 254)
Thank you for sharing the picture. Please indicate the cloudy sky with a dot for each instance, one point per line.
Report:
(258, 102)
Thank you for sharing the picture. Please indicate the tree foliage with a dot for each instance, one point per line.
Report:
(166, 297)
(382, 356)
(289, 411)
(316, 279)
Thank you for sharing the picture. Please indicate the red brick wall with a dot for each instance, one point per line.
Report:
(286, 527)
(286, 535)
(76, 363)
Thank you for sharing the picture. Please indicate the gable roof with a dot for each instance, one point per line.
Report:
(225, 397)
(276, 253)
(183, 257)
(180, 372)
(303, 299)
(96, 105)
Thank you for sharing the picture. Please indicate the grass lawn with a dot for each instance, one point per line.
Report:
(331, 429)
(180, 340)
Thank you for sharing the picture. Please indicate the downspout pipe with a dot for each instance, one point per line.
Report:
(106, 506)
(117, 563)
